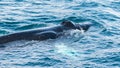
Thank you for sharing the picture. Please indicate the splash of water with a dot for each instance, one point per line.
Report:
(65, 50)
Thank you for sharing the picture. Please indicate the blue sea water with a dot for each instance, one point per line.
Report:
(99, 47)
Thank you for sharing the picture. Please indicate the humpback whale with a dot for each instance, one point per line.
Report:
(43, 34)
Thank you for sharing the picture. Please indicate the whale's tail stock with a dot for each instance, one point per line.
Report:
(3, 39)
(7, 38)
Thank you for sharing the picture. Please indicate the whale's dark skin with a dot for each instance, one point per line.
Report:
(43, 34)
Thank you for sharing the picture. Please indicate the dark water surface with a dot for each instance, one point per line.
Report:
(97, 48)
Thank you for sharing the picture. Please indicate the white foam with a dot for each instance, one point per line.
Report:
(65, 50)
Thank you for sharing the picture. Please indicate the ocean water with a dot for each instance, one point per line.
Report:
(99, 47)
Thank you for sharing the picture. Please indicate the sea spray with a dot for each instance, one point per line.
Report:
(65, 50)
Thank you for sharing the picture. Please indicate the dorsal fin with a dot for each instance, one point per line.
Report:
(67, 23)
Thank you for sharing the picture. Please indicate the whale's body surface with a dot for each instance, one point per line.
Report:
(43, 34)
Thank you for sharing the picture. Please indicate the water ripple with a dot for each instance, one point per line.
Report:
(97, 48)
